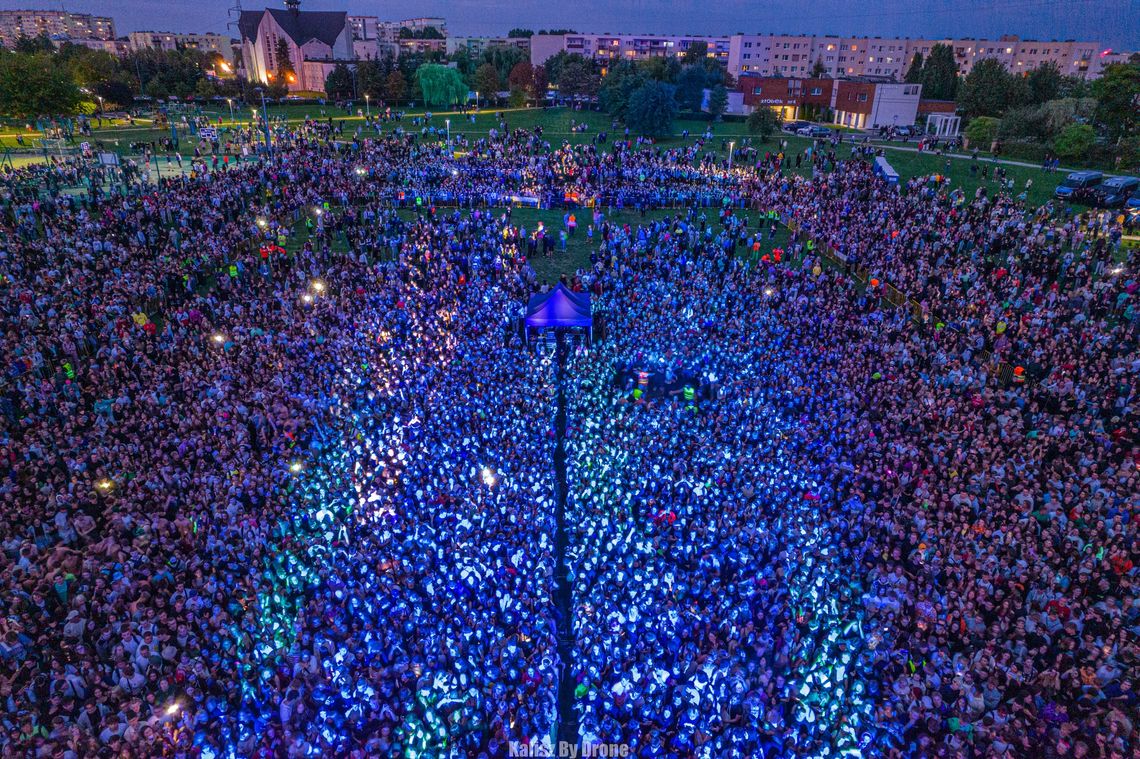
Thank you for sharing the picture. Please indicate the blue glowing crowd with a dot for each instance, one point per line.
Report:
(281, 469)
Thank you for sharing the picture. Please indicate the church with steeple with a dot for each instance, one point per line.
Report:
(294, 47)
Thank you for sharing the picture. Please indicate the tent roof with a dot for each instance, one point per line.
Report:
(559, 308)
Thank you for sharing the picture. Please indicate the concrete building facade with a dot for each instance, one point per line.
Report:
(633, 47)
(797, 55)
(206, 43)
(60, 26)
(476, 45)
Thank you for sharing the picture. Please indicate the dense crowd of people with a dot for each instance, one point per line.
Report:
(282, 471)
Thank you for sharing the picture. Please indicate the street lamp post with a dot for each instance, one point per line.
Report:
(265, 117)
(230, 102)
(731, 150)
(448, 122)
(367, 105)
(100, 104)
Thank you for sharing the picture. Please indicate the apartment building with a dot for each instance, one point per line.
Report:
(797, 55)
(633, 47)
(390, 30)
(421, 47)
(206, 43)
(117, 47)
(370, 40)
(58, 25)
(476, 45)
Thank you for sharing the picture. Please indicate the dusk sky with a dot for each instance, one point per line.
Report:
(1116, 23)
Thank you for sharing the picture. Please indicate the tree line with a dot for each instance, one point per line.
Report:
(38, 79)
(1042, 111)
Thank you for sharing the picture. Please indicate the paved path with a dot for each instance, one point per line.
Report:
(982, 158)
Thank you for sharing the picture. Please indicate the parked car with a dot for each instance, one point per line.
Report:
(815, 132)
(1115, 191)
(1078, 186)
(905, 131)
(1132, 206)
(794, 127)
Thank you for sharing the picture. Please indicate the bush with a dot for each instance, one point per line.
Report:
(1075, 141)
(981, 132)
(651, 110)
(763, 122)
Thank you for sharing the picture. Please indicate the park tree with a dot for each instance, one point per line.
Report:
(1117, 93)
(116, 93)
(763, 122)
(427, 33)
(718, 102)
(539, 83)
(981, 132)
(285, 71)
(487, 80)
(652, 109)
(33, 84)
(660, 69)
(914, 73)
(441, 85)
(370, 80)
(578, 78)
(41, 43)
(818, 70)
(1074, 142)
(338, 84)
(990, 89)
(99, 72)
(1023, 123)
(556, 63)
(395, 86)
(503, 58)
(1128, 153)
(620, 82)
(695, 53)
(163, 73)
(940, 74)
(1044, 83)
(1060, 113)
(519, 33)
(521, 77)
(691, 84)
(464, 63)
